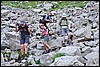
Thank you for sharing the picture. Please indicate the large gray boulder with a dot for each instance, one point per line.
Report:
(86, 32)
(46, 59)
(4, 13)
(70, 50)
(92, 59)
(95, 49)
(86, 50)
(79, 32)
(12, 34)
(14, 44)
(14, 55)
(67, 61)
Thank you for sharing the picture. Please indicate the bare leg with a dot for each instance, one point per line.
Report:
(22, 49)
(46, 45)
(26, 48)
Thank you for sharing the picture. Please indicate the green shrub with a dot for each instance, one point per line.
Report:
(8, 55)
(58, 55)
(37, 62)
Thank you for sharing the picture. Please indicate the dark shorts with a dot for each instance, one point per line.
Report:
(24, 39)
(45, 38)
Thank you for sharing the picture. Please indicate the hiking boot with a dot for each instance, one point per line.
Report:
(48, 50)
(63, 45)
(53, 49)
(45, 52)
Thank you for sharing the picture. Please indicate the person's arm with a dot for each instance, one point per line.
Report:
(29, 30)
(17, 29)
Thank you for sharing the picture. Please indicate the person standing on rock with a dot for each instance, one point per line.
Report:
(45, 37)
(25, 32)
(64, 27)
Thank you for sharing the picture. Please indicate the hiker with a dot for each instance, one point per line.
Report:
(45, 37)
(64, 27)
(25, 32)
(70, 37)
(45, 20)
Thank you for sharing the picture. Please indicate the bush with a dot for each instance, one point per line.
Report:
(8, 56)
(58, 55)
(37, 62)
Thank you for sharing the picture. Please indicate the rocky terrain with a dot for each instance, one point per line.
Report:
(84, 51)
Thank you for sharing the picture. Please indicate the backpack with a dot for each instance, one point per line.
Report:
(44, 19)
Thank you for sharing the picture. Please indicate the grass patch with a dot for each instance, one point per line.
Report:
(58, 55)
(20, 56)
(20, 4)
(8, 55)
(60, 5)
(37, 62)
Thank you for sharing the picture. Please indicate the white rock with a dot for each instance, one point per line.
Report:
(12, 25)
(4, 12)
(12, 34)
(2, 58)
(70, 50)
(67, 61)
(79, 32)
(86, 50)
(81, 45)
(16, 64)
(14, 55)
(12, 61)
(45, 59)
(96, 35)
(55, 43)
(40, 46)
(23, 61)
(91, 43)
(7, 50)
(95, 49)
(14, 44)
(92, 59)
(37, 10)
(11, 15)
(87, 33)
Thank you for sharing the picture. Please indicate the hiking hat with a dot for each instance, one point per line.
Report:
(22, 22)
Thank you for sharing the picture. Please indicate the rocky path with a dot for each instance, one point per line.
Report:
(83, 52)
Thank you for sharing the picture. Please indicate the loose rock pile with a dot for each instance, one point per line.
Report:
(85, 26)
